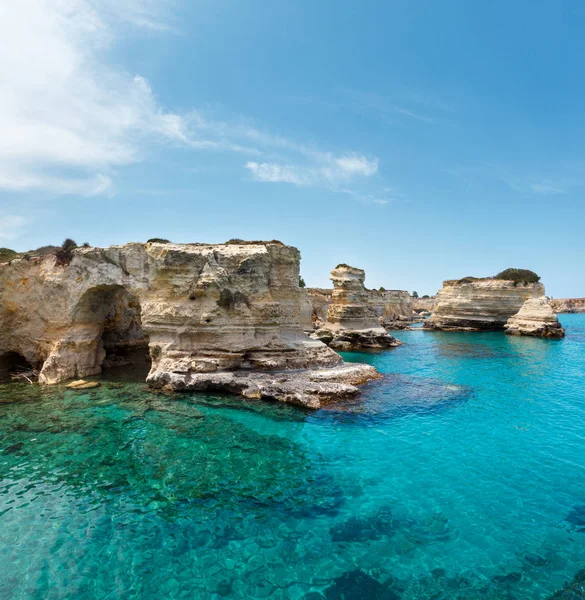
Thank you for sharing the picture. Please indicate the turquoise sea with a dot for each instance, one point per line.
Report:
(460, 475)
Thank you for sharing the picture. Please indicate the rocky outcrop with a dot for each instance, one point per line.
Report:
(208, 314)
(423, 306)
(481, 304)
(568, 305)
(392, 308)
(535, 318)
(353, 320)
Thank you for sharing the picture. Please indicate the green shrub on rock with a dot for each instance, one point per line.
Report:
(519, 276)
(65, 253)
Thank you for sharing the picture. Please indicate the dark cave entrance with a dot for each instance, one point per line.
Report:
(14, 366)
(117, 317)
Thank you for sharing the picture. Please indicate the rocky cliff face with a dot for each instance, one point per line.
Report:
(353, 319)
(535, 318)
(482, 304)
(568, 305)
(208, 313)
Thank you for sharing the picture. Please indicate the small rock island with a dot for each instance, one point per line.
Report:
(513, 300)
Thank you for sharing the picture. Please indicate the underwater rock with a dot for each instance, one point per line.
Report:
(81, 384)
(575, 590)
(361, 529)
(358, 585)
(577, 517)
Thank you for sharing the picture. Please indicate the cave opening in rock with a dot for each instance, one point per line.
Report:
(116, 316)
(12, 365)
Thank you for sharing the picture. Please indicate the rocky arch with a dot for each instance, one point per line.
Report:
(106, 331)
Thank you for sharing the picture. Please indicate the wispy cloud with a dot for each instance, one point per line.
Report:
(397, 107)
(11, 226)
(63, 108)
(325, 170)
(70, 118)
(548, 188)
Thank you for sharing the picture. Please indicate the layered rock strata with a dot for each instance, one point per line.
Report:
(393, 308)
(568, 305)
(535, 318)
(226, 317)
(482, 304)
(352, 320)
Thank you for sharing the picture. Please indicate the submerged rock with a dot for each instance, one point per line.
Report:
(575, 590)
(358, 585)
(81, 384)
(577, 517)
(535, 318)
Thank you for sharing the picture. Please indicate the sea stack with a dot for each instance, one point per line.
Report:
(473, 304)
(352, 320)
(535, 318)
(210, 316)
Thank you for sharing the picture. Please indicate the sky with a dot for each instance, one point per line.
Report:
(418, 140)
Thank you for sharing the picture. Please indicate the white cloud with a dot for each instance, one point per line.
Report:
(324, 170)
(547, 188)
(61, 106)
(70, 118)
(11, 226)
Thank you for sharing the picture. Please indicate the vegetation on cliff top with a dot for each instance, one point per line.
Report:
(239, 242)
(519, 276)
(7, 254)
(516, 275)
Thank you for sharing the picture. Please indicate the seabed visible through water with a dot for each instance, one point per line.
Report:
(461, 475)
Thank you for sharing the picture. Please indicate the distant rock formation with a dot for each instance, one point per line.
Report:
(424, 306)
(213, 317)
(480, 304)
(568, 305)
(535, 318)
(353, 319)
(393, 308)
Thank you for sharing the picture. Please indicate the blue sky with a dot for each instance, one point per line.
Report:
(419, 140)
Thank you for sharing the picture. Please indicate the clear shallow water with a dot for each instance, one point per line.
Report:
(461, 475)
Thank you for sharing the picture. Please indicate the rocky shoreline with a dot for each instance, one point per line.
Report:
(213, 316)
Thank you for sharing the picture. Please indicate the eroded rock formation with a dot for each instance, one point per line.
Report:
(482, 304)
(568, 305)
(353, 319)
(393, 308)
(535, 318)
(224, 317)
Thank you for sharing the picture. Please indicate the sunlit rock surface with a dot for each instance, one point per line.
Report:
(483, 304)
(353, 318)
(535, 318)
(393, 308)
(568, 305)
(203, 312)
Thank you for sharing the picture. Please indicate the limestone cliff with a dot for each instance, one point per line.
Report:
(535, 318)
(568, 305)
(481, 304)
(208, 314)
(353, 319)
